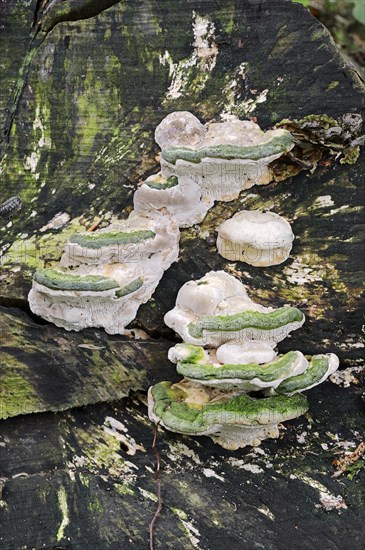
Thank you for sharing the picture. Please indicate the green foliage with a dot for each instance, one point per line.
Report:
(304, 2)
(359, 11)
(353, 469)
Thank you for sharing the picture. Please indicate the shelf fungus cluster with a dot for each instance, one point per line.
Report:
(201, 164)
(105, 275)
(236, 388)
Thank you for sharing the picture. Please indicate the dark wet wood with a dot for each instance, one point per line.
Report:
(68, 483)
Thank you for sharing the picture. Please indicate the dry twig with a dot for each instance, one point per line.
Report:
(95, 225)
(342, 463)
(158, 487)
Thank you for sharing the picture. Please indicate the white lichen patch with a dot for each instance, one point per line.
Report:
(63, 506)
(179, 451)
(58, 221)
(147, 494)
(191, 531)
(332, 502)
(248, 467)
(347, 376)
(302, 438)
(117, 429)
(323, 202)
(208, 472)
(266, 511)
(301, 273)
(202, 60)
(234, 104)
(327, 500)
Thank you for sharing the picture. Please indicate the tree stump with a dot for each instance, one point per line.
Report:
(82, 90)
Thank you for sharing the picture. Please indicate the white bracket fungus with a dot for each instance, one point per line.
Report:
(228, 351)
(222, 158)
(216, 309)
(107, 274)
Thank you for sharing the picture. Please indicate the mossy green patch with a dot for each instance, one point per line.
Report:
(17, 394)
(123, 489)
(40, 249)
(332, 85)
(65, 520)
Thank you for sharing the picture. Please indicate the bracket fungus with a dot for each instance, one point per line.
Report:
(181, 198)
(198, 365)
(222, 158)
(107, 296)
(233, 421)
(106, 275)
(199, 164)
(139, 239)
(229, 341)
(258, 238)
(228, 352)
(285, 375)
(216, 309)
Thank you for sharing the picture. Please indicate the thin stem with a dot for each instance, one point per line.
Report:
(158, 487)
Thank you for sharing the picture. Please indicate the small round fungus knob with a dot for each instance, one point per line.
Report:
(179, 128)
(258, 238)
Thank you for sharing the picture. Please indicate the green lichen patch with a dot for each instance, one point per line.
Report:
(176, 414)
(59, 280)
(162, 183)
(317, 369)
(269, 372)
(246, 320)
(273, 146)
(99, 240)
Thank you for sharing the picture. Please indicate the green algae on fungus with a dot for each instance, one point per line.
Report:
(99, 240)
(320, 367)
(222, 158)
(61, 280)
(264, 374)
(131, 287)
(231, 421)
(273, 146)
(159, 182)
(269, 321)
